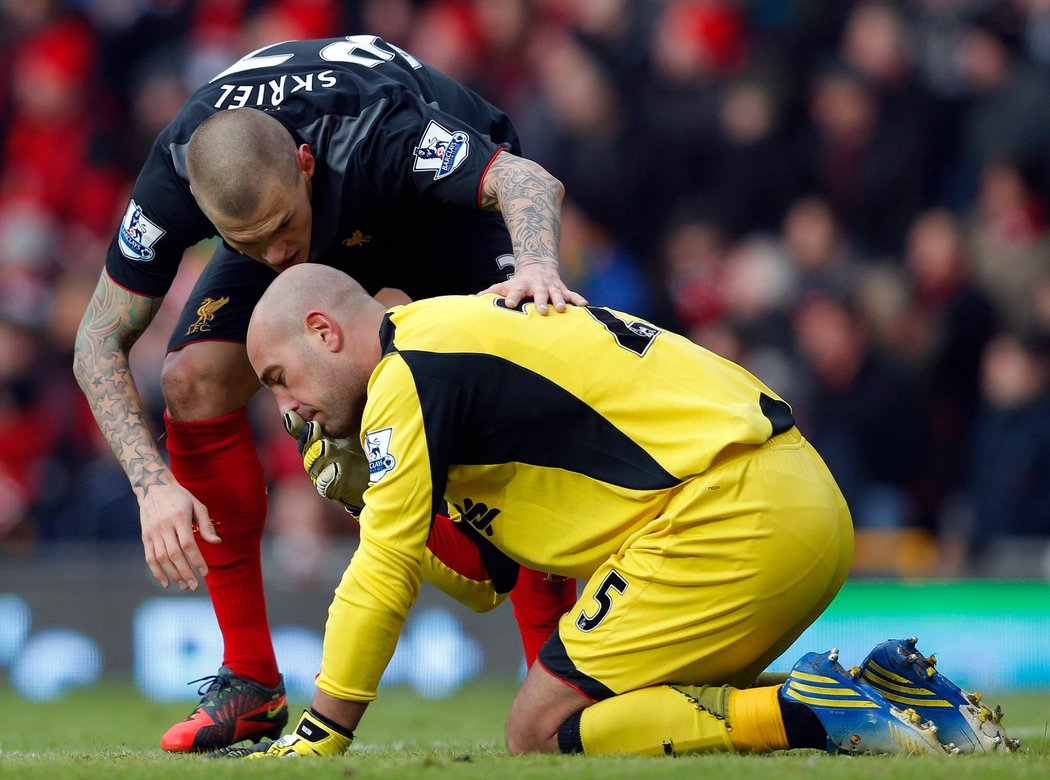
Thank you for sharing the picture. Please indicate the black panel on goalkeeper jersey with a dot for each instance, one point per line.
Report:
(401, 150)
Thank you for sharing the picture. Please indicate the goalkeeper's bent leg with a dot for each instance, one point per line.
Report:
(673, 720)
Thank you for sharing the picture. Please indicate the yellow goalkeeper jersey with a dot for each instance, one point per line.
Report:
(555, 437)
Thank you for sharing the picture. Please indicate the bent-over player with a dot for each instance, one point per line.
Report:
(345, 151)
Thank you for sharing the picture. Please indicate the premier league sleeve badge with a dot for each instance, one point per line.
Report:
(440, 150)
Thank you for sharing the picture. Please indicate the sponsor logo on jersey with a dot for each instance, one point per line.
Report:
(206, 313)
(357, 238)
(478, 514)
(440, 150)
(377, 450)
(138, 234)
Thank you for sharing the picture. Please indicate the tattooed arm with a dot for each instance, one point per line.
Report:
(112, 323)
(530, 200)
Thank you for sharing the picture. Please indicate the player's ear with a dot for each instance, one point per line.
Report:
(324, 328)
(304, 159)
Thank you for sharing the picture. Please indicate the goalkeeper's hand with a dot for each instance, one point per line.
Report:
(314, 736)
(337, 467)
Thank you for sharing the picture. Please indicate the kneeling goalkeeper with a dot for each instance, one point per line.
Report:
(671, 481)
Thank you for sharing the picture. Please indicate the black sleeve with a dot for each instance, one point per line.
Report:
(416, 151)
(161, 221)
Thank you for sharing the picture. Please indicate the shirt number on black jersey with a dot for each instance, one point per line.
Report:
(635, 336)
(612, 581)
(357, 49)
(365, 50)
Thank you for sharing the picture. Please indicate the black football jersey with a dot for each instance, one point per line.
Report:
(401, 151)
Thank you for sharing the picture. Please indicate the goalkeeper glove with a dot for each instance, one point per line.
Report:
(337, 467)
(315, 735)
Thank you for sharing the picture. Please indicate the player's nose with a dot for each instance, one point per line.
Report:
(285, 403)
(274, 253)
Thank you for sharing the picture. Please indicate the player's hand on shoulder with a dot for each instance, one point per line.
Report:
(540, 281)
(337, 467)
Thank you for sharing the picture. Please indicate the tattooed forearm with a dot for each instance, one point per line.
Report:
(530, 201)
(113, 322)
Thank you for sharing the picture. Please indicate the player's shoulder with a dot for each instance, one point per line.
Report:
(438, 324)
(485, 321)
(444, 308)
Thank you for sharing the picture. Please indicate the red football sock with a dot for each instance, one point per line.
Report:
(216, 461)
(539, 602)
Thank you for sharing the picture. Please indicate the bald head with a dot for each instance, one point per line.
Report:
(231, 154)
(283, 308)
(313, 340)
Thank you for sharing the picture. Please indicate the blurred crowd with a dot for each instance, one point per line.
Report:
(849, 198)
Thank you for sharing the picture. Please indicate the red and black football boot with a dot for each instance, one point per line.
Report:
(231, 709)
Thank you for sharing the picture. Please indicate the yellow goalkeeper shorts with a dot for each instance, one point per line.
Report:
(746, 556)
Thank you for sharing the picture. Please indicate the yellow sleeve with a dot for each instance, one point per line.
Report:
(385, 575)
(480, 596)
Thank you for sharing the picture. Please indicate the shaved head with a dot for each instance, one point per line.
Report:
(313, 340)
(291, 296)
(231, 154)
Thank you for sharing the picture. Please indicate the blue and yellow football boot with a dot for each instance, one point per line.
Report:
(856, 717)
(906, 677)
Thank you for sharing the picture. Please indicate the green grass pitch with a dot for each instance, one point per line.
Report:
(109, 731)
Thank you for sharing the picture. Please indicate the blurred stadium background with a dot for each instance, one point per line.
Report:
(850, 198)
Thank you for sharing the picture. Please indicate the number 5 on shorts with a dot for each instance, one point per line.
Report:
(612, 581)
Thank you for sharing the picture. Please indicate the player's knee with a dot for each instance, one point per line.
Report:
(184, 384)
(541, 707)
(201, 384)
(529, 736)
(518, 741)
